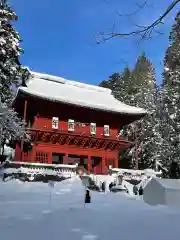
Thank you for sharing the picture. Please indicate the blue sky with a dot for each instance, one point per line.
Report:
(59, 36)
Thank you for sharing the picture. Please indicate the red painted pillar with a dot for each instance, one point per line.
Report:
(50, 158)
(116, 165)
(17, 152)
(89, 164)
(103, 169)
(22, 142)
(33, 159)
(65, 158)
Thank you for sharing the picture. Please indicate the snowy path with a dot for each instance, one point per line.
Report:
(24, 214)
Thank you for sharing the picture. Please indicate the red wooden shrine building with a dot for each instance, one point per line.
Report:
(71, 122)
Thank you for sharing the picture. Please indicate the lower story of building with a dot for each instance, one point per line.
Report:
(95, 161)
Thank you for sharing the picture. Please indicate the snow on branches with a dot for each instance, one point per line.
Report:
(12, 127)
(171, 95)
(10, 67)
(11, 71)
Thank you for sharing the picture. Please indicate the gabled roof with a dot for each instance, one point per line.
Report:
(168, 183)
(61, 90)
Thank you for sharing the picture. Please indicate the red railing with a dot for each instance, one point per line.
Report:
(46, 124)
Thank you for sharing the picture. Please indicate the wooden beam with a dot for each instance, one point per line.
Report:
(56, 138)
(76, 141)
(83, 143)
(68, 140)
(90, 137)
(90, 143)
(52, 137)
(48, 136)
(43, 137)
(112, 146)
(60, 140)
(105, 144)
(97, 144)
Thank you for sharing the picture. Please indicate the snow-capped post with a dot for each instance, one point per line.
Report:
(51, 185)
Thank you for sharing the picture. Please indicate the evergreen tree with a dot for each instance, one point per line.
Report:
(174, 171)
(120, 84)
(138, 88)
(10, 67)
(143, 94)
(123, 90)
(11, 71)
(12, 126)
(171, 96)
(158, 132)
(112, 83)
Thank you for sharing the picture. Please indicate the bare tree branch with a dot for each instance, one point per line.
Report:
(145, 32)
(140, 6)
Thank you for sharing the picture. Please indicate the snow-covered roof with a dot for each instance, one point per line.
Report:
(168, 183)
(76, 93)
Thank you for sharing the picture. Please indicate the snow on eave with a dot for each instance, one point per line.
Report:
(69, 82)
(138, 111)
(85, 95)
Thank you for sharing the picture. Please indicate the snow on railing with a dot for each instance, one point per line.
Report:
(129, 174)
(40, 168)
(43, 164)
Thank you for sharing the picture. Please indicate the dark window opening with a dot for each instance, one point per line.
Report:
(57, 158)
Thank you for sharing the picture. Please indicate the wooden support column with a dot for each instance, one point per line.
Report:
(24, 117)
(25, 110)
(89, 164)
(116, 165)
(103, 169)
(50, 157)
(33, 154)
(65, 158)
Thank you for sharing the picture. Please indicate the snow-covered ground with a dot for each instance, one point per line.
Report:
(25, 214)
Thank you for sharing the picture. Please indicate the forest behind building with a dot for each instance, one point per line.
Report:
(157, 135)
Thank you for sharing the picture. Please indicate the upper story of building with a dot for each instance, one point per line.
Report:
(52, 103)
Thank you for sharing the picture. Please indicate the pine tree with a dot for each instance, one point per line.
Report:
(138, 88)
(10, 67)
(12, 126)
(11, 71)
(112, 82)
(171, 96)
(123, 89)
(142, 92)
(144, 95)
(120, 84)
